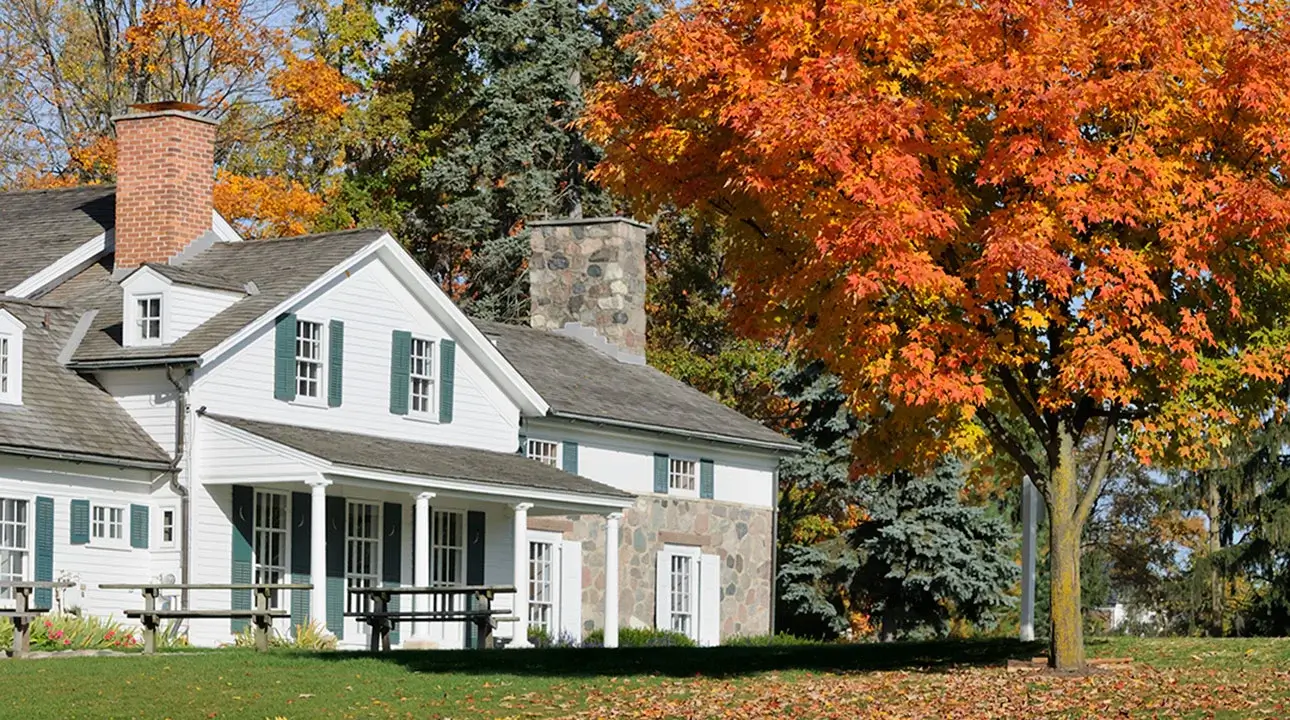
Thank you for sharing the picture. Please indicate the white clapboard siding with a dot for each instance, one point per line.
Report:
(148, 397)
(372, 303)
(188, 307)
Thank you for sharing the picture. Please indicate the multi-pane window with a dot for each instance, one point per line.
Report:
(308, 358)
(167, 527)
(148, 317)
(541, 585)
(682, 475)
(270, 559)
(421, 376)
(362, 549)
(544, 451)
(682, 594)
(107, 524)
(447, 548)
(13, 542)
(4, 365)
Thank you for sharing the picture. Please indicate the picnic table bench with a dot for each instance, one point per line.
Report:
(479, 609)
(261, 616)
(23, 611)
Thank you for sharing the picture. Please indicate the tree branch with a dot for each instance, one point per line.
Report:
(1100, 470)
(1013, 447)
(1024, 402)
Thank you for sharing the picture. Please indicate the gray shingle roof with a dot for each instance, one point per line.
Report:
(279, 268)
(185, 276)
(424, 459)
(38, 227)
(63, 412)
(577, 380)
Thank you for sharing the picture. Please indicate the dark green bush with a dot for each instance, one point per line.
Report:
(640, 637)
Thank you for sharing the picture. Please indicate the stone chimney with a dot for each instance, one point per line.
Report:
(587, 279)
(165, 174)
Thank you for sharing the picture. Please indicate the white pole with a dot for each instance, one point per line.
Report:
(421, 551)
(318, 551)
(611, 579)
(1029, 522)
(521, 606)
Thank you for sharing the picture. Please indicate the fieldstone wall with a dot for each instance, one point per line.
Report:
(591, 272)
(741, 536)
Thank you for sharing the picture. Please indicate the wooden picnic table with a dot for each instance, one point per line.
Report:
(261, 616)
(478, 610)
(24, 611)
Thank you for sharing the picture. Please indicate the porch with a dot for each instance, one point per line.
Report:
(359, 512)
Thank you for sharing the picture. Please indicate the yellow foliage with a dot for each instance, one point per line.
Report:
(266, 206)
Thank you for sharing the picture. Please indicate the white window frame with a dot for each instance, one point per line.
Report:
(140, 318)
(675, 474)
(106, 540)
(443, 546)
(685, 555)
(264, 534)
(319, 398)
(21, 543)
(11, 332)
(163, 543)
(544, 597)
(362, 535)
(431, 380)
(533, 450)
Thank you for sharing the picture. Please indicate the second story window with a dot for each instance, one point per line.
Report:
(308, 359)
(683, 475)
(421, 376)
(148, 318)
(4, 365)
(544, 451)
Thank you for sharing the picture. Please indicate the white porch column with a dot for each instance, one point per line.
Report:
(421, 553)
(318, 551)
(611, 579)
(521, 606)
(1029, 522)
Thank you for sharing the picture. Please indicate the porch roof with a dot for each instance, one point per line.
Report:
(449, 462)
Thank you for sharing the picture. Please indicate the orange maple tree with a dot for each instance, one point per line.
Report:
(1026, 228)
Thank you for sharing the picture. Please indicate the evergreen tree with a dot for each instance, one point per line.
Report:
(925, 556)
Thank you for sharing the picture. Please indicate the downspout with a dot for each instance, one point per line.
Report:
(181, 415)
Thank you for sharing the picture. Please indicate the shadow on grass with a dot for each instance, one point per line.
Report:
(712, 662)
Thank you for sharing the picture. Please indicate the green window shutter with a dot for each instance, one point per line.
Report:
(243, 530)
(80, 522)
(392, 554)
(475, 521)
(400, 358)
(284, 357)
(660, 473)
(335, 362)
(335, 512)
(139, 527)
(301, 505)
(570, 457)
(705, 479)
(447, 378)
(44, 547)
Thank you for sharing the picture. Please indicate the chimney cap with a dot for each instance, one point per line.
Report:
(173, 108)
(569, 222)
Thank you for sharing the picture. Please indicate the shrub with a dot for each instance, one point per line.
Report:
(306, 636)
(540, 638)
(780, 640)
(73, 632)
(640, 637)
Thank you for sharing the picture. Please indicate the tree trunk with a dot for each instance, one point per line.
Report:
(1067, 649)
(1213, 509)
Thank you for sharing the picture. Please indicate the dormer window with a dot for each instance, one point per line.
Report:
(10, 359)
(148, 317)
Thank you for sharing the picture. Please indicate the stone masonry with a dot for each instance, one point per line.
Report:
(739, 535)
(591, 272)
(165, 177)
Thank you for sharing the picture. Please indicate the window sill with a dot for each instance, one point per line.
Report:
(683, 494)
(100, 545)
(422, 418)
(315, 403)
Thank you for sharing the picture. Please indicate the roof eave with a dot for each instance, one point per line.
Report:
(77, 457)
(128, 363)
(785, 446)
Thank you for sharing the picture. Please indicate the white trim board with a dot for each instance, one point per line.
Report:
(66, 266)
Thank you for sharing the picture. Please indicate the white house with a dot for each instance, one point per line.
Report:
(176, 403)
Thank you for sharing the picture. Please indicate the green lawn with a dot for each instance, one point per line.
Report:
(1172, 678)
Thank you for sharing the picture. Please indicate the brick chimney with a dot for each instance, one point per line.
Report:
(587, 279)
(164, 180)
